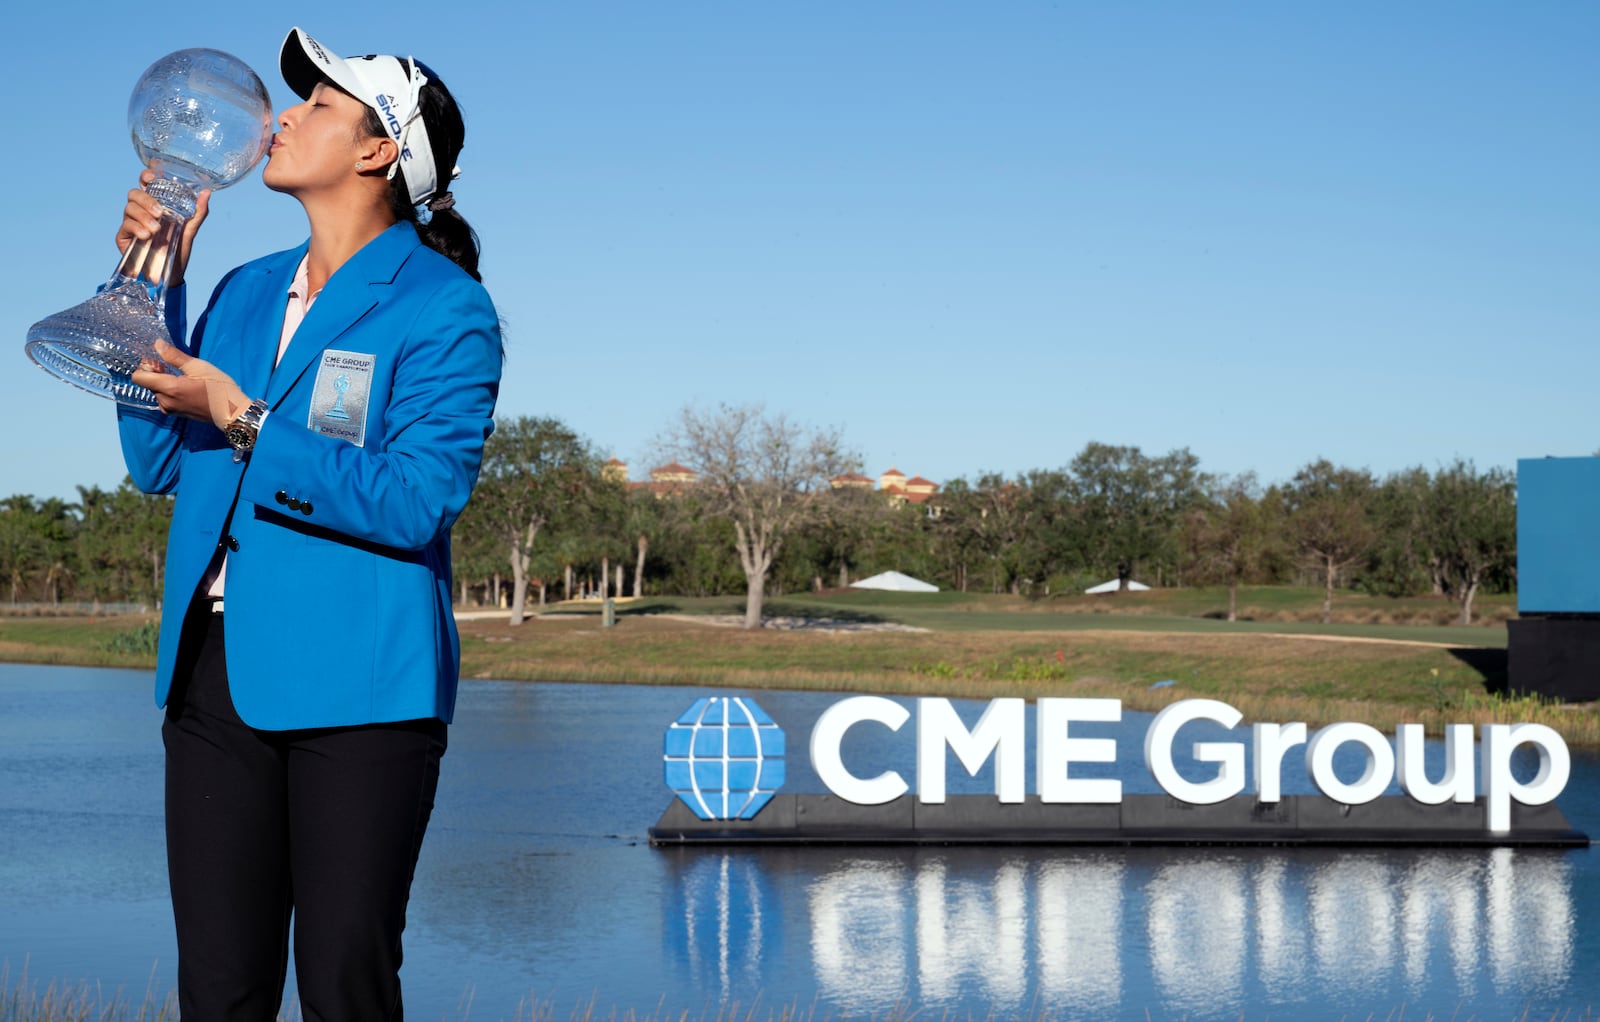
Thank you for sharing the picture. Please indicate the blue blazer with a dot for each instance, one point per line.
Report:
(338, 587)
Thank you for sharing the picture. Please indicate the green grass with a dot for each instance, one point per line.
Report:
(1295, 612)
(1314, 679)
(1258, 603)
(978, 646)
(123, 640)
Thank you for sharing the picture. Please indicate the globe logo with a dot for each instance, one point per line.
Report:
(724, 758)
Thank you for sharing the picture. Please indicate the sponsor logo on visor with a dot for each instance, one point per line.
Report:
(386, 108)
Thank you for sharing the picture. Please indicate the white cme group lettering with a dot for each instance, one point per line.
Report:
(1000, 734)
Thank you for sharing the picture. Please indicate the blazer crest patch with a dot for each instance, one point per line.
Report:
(339, 398)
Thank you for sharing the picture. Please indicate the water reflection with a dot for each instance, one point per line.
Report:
(1196, 917)
(525, 889)
(1280, 927)
(1530, 938)
(1222, 929)
(724, 914)
(970, 929)
(859, 930)
(1079, 914)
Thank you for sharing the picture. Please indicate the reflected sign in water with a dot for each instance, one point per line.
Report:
(1184, 931)
(535, 885)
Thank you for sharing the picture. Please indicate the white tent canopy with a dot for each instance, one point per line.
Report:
(1111, 587)
(895, 582)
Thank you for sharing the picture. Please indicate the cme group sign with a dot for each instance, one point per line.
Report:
(724, 759)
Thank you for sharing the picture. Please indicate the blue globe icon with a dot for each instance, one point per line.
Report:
(724, 758)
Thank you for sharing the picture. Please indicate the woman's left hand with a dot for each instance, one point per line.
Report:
(204, 392)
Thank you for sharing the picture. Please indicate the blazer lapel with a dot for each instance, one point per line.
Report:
(256, 344)
(352, 292)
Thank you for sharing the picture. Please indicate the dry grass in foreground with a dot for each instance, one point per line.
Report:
(1267, 677)
(1317, 679)
(84, 1004)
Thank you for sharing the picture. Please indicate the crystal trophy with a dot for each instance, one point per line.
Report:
(199, 119)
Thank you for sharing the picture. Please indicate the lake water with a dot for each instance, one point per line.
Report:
(537, 884)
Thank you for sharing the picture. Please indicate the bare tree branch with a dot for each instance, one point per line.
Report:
(763, 473)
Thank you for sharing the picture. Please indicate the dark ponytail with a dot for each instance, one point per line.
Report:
(446, 231)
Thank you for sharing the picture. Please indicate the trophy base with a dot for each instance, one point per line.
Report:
(74, 346)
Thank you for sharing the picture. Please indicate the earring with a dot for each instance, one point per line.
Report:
(359, 165)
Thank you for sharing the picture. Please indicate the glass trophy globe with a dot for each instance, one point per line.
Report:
(199, 119)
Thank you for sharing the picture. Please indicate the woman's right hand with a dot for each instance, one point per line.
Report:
(141, 219)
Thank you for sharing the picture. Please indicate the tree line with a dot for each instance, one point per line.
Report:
(107, 546)
(548, 521)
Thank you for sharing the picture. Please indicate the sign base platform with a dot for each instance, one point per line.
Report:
(1309, 820)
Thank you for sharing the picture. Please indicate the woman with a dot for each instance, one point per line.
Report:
(320, 451)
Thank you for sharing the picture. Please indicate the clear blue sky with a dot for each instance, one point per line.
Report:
(975, 236)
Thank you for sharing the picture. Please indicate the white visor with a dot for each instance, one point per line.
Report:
(389, 85)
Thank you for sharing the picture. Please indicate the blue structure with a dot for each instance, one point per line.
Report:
(1554, 647)
(1558, 536)
(724, 758)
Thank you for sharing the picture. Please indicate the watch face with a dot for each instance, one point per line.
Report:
(241, 432)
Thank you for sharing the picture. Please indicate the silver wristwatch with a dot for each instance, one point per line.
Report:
(242, 431)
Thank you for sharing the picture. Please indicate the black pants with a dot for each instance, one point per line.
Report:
(323, 825)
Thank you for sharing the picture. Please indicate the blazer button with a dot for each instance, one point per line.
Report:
(305, 507)
(294, 504)
(233, 543)
(281, 497)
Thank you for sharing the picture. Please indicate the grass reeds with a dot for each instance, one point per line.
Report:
(78, 1002)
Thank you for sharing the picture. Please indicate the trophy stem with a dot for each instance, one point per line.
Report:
(148, 262)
